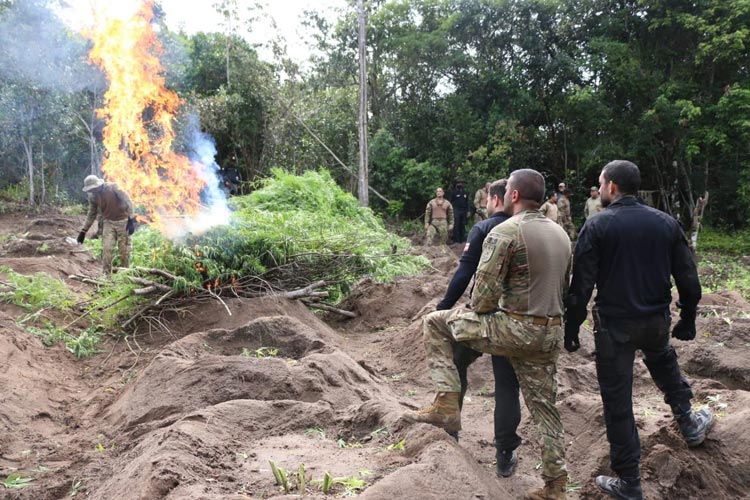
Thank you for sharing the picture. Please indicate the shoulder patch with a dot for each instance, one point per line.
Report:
(466, 247)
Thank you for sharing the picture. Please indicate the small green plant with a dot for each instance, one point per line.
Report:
(17, 481)
(83, 345)
(572, 485)
(397, 446)
(301, 479)
(75, 487)
(316, 431)
(280, 475)
(265, 352)
(43, 248)
(380, 432)
(327, 483)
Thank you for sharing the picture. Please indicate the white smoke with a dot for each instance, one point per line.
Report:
(214, 209)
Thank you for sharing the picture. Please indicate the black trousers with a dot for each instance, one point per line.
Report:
(616, 341)
(459, 226)
(507, 405)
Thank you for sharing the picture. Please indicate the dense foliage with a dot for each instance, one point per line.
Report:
(290, 232)
(457, 88)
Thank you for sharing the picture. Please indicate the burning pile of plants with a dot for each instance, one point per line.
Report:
(297, 236)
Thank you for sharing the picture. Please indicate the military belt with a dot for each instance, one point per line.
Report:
(536, 320)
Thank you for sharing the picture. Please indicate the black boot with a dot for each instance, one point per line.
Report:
(507, 460)
(624, 489)
(693, 424)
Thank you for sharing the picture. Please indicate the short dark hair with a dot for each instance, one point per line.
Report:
(529, 183)
(498, 188)
(625, 174)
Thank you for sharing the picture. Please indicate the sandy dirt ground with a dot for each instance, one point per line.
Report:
(194, 414)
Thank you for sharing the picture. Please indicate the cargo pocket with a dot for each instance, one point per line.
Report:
(466, 325)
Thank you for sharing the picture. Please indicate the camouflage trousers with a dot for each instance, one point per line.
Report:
(480, 215)
(437, 230)
(115, 233)
(531, 349)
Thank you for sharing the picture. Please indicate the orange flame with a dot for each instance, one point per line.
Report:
(138, 110)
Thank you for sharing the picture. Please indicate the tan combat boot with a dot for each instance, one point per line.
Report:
(443, 412)
(553, 490)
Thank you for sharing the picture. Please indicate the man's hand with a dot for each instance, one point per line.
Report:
(450, 228)
(572, 343)
(81, 237)
(131, 225)
(685, 327)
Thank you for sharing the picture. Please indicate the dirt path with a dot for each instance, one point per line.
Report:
(199, 414)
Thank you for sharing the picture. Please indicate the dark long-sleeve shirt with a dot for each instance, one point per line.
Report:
(469, 261)
(629, 251)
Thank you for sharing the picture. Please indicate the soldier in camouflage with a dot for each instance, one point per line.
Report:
(116, 209)
(516, 312)
(564, 217)
(481, 197)
(438, 218)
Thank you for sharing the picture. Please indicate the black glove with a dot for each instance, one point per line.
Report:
(131, 225)
(572, 343)
(81, 237)
(685, 327)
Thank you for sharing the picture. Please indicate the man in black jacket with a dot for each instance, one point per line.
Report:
(507, 405)
(460, 201)
(629, 251)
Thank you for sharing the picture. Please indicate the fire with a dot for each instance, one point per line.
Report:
(139, 110)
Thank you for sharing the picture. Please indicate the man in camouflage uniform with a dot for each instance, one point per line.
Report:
(116, 210)
(593, 204)
(516, 312)
(480, 202)
(564, 217)
(438, 218)
(549, 207)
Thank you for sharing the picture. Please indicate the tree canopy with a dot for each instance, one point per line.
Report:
(457, 88)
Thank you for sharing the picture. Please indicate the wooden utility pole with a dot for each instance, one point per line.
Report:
(363, 182)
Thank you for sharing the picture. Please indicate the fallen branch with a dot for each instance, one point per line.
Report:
(326, 307)
(152, 285)
(304, 292)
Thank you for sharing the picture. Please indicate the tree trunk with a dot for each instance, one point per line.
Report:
(44, 184)
(363, 182)
(30, 164)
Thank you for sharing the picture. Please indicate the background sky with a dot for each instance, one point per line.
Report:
(199, 15)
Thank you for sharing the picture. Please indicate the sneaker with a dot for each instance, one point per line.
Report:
(694, 425)
(624, 489)
(507, 460)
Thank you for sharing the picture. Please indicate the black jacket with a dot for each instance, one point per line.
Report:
(629, 251)
(469, 259)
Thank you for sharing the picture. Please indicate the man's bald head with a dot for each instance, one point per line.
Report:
(529, 184)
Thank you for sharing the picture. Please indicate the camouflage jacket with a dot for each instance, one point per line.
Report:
(524, 267)
(564, 217)
(113, 203)
(445, 206)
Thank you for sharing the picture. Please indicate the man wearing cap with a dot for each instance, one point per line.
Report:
(593, 204)
(560, 190)
(117, 211)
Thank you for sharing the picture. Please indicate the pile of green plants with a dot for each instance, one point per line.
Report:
(292, 231)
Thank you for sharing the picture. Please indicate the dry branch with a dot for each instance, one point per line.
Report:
(303, 292)
(326, 307)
